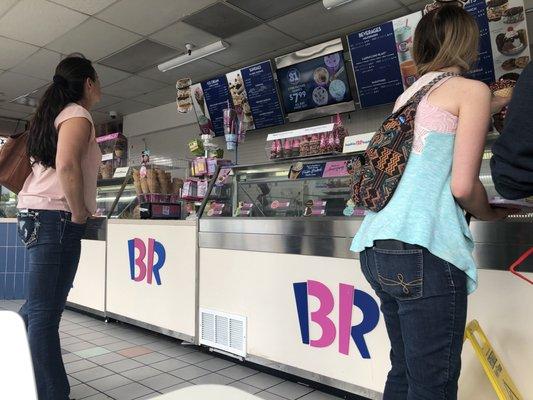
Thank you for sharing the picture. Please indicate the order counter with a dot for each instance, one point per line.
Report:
(152, 275)
(88, 291)
(279, 287)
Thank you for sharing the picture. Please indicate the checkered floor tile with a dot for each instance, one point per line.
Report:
(122, 362)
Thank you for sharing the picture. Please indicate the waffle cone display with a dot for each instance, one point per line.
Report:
(144, 185)
(137, 181)
(503, 88)
(177, 185)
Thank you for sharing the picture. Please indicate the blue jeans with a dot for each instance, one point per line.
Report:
(423, 301)
(53, 244)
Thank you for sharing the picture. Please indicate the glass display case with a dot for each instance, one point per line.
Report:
(8, 203)
(113, 203)
(319, 187)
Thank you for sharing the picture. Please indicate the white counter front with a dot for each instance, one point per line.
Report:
(88, 290)
(151, 275)
(317, 317)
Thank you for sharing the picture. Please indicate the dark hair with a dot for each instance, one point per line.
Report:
(67, 87)
(445, 37)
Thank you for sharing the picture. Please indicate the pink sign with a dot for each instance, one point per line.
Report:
(105, 138)
(335, 169)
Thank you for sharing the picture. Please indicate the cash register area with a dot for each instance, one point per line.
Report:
(220, 250)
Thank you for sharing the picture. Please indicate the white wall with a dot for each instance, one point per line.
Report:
(166, 133)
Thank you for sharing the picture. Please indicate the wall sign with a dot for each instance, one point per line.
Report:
(210, 98)
(382, 61)
(253, 91)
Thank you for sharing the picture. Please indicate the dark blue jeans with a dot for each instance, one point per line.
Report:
(423, 301)
(53, 244)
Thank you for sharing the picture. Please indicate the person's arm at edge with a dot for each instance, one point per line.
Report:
(73, 137)
(512, 160)
(474, 108)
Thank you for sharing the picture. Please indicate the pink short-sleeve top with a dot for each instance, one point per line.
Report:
(42, 189)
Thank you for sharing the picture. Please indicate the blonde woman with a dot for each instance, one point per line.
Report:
(417, 252)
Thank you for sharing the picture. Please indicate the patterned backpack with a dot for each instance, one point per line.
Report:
(377, 173)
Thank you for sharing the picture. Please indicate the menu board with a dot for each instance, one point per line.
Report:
(210, 98)
(484, 69)
(254, 94)
(382, 60)
(508, 36)
(314, 83)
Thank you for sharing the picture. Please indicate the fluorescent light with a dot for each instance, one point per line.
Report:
(329, 4)
(195, 55)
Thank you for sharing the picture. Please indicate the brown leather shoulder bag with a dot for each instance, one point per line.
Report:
(15, 164)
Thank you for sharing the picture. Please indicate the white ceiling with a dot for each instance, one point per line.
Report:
(36, 34)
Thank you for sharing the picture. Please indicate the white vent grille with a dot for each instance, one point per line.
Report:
(223, 331)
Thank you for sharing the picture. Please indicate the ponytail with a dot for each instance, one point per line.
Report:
(67, 87)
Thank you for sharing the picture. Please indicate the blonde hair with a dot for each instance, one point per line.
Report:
(446, 37)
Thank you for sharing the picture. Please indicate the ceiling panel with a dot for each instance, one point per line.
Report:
(5, 5)
(38, 22)
(85, 6)
(251, 44)
(270, 9)
(192, 70)
(221, 20)
(100, 117)
(94, 39)
(126, 107)
(40, 65)
(17, 107)
(107, 100)
(159, 97)
(140, 56)
(419, 5)
(13, 114)
(132, 87)
(108, 75)
(315, 20)
(146, 17)
(268, 56)
(13, 85)
(14, 52)
(179, 34)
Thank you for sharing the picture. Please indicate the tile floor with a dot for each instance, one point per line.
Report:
(122, 362)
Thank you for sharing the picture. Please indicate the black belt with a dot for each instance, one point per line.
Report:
(391, 244)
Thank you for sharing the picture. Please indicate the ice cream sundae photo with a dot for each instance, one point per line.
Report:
(511, 42)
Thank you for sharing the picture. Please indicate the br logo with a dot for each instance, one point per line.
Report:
(142, 264)
(349, 297)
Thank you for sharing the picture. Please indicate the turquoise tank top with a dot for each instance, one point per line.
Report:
(422, 210)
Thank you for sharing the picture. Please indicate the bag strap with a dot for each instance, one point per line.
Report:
(419, 95)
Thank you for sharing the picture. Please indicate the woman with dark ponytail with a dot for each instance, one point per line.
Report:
(54, 204)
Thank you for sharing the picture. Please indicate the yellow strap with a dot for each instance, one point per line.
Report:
(498, 376)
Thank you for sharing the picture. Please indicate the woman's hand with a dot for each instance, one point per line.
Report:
(498, 103)
(499, 213)
(81, 218)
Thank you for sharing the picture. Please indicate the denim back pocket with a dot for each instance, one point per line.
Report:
(28, 229)
(401, 272)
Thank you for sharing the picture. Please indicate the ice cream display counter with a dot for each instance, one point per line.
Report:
(279, 286)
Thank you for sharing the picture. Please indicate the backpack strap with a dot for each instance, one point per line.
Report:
(419, 95)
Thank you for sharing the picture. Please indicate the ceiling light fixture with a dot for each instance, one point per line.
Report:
(194, 55)
(329, 4)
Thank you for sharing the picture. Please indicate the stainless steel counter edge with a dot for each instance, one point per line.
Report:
(152, 222)
(497, 244)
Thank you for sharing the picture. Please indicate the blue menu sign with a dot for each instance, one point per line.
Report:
(382, 60)
(484, 70)
(262, 95)
(216, 94)
(313, 170)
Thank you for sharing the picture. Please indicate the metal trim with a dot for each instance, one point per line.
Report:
(85, 309)
(150, 327)
(321, 379)
(324, 111)
(309, 53)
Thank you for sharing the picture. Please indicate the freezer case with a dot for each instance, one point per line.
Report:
(280, 287)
